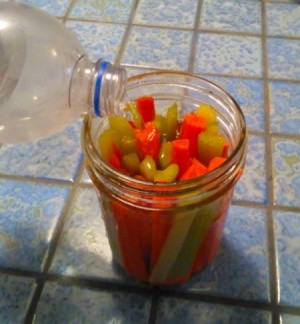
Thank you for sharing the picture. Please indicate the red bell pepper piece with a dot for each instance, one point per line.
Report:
(147, 141)
(114, 161)
(225, 150)
(192, 126)
(196, 169)
(181, 155)
(145, 106)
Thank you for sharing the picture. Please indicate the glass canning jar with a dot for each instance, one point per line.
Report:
(164, 233)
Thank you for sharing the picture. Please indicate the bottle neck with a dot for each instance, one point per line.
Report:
(97, 88)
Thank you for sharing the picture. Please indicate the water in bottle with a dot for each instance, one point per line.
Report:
(46, 77)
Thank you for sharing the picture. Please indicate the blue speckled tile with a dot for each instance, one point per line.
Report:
(290, 319)
(285, 107)
(15, 294)
(83, 249)
(232, 55)
(152, 46)
(283, 19)
(56, 157)
(104, 10)
(66, 304)
(28, 216)
(240, 269)
(99, 40)
(53, 7)
(178, 311)
(231, 15)
(283, 56)
(286, 171)
(163, 13)
(287, 234)
(252, 186)
(250, 96)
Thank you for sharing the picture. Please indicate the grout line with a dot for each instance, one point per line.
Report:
(273, 267)
(52, 248)
(31, 179)
(127, 32)
(194, 40)
(286, 136)
(95, 21)
(159, 292)
(243, 77)
(154, 307)
(71, 6)
(153, 292)
(202, 30)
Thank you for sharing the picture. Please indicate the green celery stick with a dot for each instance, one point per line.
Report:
(195, 237)
(168, 255)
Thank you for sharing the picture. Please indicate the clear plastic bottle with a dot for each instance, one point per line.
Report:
(46, 78)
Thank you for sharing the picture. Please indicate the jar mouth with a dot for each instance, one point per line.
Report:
(229, 168)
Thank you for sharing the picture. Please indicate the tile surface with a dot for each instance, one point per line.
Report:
(252, 186)
(15, 293)
(285, 107)
(83, 249)
(232, 15)
(287, 233)
(283, 58)
(101, 41)
(290, 319)
(53, 7)
(28, 217)
(176, 311)
(56, 157)
(240, 269)
(63, 304)
(148, 46)
(161, 13)
(286, 172)
(231, 55)
(283, 19)
(104, 10)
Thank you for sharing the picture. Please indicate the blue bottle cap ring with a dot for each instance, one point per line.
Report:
(98, 83)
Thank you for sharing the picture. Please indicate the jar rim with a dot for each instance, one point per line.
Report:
(206, 180)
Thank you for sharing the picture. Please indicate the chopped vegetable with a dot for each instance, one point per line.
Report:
(209, 146)
(181, 155)
(109, 143)
(169, 174)
(145, 106)
(114, 161)
(160, 123)
(128, 145)
(196, 169)
(147, 141)
(137, 119)
(148, 168)
(215, 162)
(165, 155)
(121, 126)
(208, 113)
(131, 163)
(128, 229)
(172, 122)
(192, 126)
